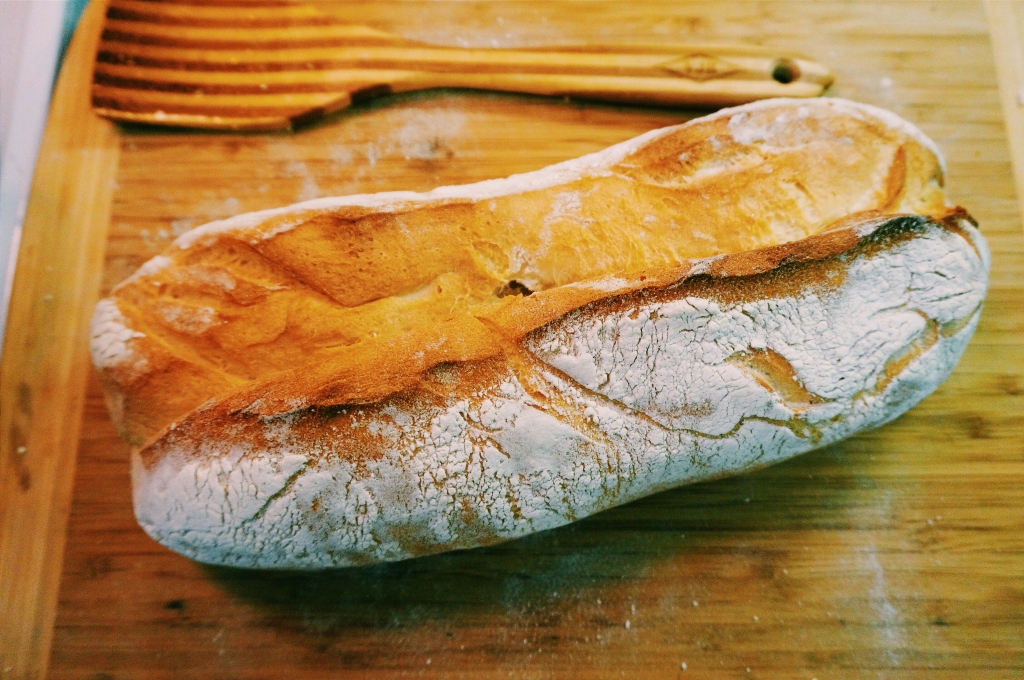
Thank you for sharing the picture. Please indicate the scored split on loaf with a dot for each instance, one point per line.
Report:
(378, 377)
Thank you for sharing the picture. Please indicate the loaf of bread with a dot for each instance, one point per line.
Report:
(378, 377)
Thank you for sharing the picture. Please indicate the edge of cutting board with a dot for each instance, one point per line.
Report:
(1006, 30)
(45, 361)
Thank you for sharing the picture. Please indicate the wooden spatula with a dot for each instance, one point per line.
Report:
(274, 64)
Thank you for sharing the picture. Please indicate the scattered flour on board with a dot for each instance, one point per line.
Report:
(309, 188)
(890, 628)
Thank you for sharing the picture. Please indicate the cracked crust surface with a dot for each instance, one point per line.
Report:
(623, 397)
(380, 377)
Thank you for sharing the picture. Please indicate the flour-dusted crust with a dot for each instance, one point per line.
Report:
(759, 299)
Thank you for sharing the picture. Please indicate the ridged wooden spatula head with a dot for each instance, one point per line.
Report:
(272, 64)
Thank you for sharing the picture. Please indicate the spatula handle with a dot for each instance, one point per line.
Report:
(666, 75)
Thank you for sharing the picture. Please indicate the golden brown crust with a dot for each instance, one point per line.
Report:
(351, 303)
(468, 355)
(364, 377)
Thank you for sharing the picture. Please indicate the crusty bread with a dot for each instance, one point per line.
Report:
(379, 377)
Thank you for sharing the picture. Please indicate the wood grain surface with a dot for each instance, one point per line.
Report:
(46, 359)
(896, 554)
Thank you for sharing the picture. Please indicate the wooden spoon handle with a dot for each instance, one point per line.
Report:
(272, 67)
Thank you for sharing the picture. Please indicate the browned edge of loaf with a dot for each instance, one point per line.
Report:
(401, 364)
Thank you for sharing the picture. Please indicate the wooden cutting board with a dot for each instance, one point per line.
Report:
(896, 554)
